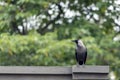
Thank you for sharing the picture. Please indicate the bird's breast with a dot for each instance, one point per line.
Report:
(80, 50)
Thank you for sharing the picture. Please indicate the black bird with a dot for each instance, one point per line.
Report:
(80, 52)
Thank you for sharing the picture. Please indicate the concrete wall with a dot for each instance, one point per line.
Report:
(54, 73)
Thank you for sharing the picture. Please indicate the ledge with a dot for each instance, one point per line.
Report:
(54, 73)
(90, 72)
(35, 70)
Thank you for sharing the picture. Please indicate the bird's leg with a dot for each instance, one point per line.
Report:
(83, 65)
(78, 65)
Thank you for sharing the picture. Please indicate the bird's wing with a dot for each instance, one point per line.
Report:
(85, 56)
(76, 56)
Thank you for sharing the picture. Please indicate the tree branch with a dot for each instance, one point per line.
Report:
(52, 21)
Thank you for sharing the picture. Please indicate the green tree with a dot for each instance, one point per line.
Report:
(39, 32)
(48, 14)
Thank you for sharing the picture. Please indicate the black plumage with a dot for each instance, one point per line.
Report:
(80, 52)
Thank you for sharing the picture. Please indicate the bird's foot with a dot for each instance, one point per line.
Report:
(78, 65)
(83, 65)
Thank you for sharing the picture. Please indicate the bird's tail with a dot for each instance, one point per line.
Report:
(81, 62)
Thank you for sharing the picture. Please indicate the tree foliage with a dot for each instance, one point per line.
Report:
(34, 49)
(15, 15)
(39, 32)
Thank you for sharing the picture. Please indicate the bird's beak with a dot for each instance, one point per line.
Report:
(73, 40)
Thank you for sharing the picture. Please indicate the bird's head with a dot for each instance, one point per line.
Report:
(78, 42)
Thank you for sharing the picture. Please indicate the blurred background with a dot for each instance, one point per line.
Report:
(39, 32)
